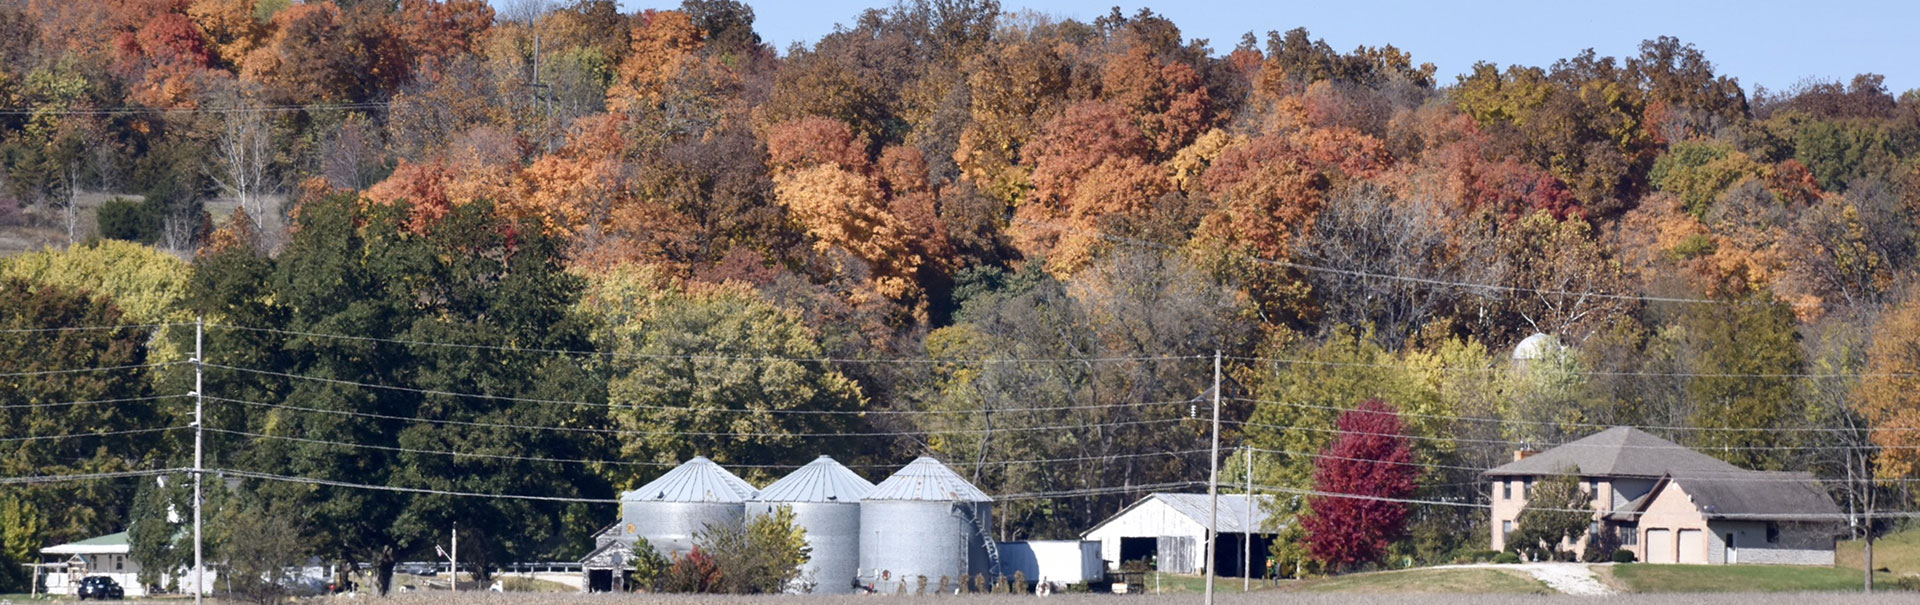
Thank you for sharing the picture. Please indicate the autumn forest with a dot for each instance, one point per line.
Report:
(1011, 241)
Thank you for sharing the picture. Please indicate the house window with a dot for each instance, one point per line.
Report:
(1629, 535)
(1526, 489)
(1506, 528)
(1593, 528)
(1773, 532)
(1506, 490)
(118, 563)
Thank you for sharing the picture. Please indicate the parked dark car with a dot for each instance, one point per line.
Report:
(101, 588)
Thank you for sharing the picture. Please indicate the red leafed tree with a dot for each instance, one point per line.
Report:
(1370, 459)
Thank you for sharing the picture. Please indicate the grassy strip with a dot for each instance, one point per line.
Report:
(1429, 581)
(1739, 578)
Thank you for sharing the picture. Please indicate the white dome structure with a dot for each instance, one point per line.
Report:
(1537, 346)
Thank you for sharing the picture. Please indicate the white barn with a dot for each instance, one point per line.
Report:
(1170, 531)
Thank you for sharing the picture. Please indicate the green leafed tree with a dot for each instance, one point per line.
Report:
(76, 405)
(1557, 513)
(1755, 335)
(716, 371)
(452, 305)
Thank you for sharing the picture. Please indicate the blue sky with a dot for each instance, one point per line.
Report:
(1766, 42)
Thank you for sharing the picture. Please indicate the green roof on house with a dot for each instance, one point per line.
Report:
(113, 539)
(114, 543)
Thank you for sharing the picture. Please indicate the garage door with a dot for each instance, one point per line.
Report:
(1660, 546)
(1693, 547)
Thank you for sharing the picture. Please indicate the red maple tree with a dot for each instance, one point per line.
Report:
(1370, 459)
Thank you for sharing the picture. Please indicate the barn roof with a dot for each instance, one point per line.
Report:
(1616, 452)
(822, 480)
(696, 480)
(1234, 509)
(927, 480)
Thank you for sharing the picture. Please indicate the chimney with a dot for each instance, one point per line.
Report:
(1523, 454)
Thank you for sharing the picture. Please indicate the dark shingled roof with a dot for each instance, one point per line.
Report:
(1757, 495)
(1747, 496)
(1616, 452)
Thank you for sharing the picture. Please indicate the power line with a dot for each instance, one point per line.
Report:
(694, 410)
(440, 492)
(1484, 419)
(1573, 444)
(621, 406)
(80, 435)
(38, 479)
(1759, 477)
(86, 370)
(646, 463)
(1469, 370)
(85, 328)
(131, 110)
(1370, 498)
(15, 406)
(1400, 278)
(409, 490)
(607, 431)
(717, 357)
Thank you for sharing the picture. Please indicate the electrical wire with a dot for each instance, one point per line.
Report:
(131, 110)
(86, 328)
(53, 404)
(1484, 419)
(1743, 448)
(605, 431)
(86, 370)
(1470, 286)
(1370, 498)
(1474, 370)
(38, 479)
(80, 435)
(717, 357)
(692, 410)
(646, 463)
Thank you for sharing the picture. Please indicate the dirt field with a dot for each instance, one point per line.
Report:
(1227, 599)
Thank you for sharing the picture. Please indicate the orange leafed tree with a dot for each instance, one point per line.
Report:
(664, 42)
(1889, 393)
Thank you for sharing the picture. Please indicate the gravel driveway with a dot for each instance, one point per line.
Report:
(1568, 578)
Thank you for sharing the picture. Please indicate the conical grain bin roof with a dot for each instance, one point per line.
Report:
(927, 480)
(696, 480)
(823, 481)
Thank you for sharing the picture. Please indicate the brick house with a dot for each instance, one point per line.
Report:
(1670, 504)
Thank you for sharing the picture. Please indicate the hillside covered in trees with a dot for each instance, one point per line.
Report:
(554, 251)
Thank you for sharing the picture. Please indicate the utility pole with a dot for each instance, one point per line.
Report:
(199, 462)
(1213, 481)
(1246, 558)
(453, 575)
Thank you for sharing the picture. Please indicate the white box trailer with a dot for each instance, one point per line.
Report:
(1059, 562)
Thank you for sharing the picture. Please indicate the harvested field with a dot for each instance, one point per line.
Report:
(1226, 599)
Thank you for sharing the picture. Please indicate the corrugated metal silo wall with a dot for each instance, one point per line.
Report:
(833, 532)
(671, 526)
(908, 539)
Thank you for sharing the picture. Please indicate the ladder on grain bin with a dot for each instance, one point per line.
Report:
(965, 510)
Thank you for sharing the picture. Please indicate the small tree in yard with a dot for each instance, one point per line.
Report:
(262, 547)
(1556, 510)
(1369, 466)
(761, 556)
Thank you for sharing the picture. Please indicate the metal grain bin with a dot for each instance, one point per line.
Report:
(825, 498)
(925, 521)
(669, 511)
